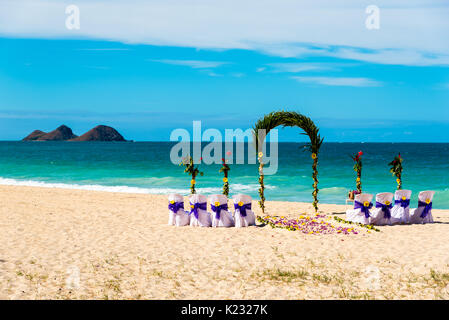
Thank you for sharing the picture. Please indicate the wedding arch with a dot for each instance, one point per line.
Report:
(288, 119)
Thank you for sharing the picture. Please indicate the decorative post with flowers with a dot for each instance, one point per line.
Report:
(315, 180)
(262, 185)
(396, 169)
(358, 168)
(225, 169)
(192, 170)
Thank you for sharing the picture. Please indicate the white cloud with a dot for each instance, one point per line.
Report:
(393, 56)
(213, 74)
(294, 67)
(237, 74)
(412, 32)
(195, 64)
(339, 81)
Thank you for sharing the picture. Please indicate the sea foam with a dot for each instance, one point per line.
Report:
(126, 189)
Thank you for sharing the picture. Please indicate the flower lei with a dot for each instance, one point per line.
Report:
(367, 226)
(396, 169)
(307, 225)
(192, 170)
(358, 168)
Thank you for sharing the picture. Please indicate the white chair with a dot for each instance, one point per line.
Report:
(423, 214)
(381, 214)
(361, 212)
(176, 214)
(221, 217)
(401, 210)
(243, 215)
(199, 217)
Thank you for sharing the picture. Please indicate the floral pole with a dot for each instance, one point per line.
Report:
(315, 181)
(225, 169)
(358, 168)
(262, 186)
(192, 170)
(396, 169)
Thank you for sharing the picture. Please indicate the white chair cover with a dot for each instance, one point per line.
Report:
(176, 214)
(199, 217)
(221, 217)
(243, 214)
(401, 210)
(357, 214)
(418, 215)
(381, 213)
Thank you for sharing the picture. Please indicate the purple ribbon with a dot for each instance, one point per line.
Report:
(242, 208)
(361, 206)
(218, 209)
(404, 203)
(427, 208)
(175, 206)
(385, 208)
(196, 206)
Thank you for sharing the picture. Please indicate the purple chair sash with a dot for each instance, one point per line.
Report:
(174, 207)
(427, 208)
(361, 206)
(196, 206)
(385, 208)
(218, 209)
(242, 208)
(404, 203)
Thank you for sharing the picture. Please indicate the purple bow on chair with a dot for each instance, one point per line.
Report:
(385, 208)
(242, 208)
(217, 209)
(195, 206)
(364, 208)
(175, 206)
(404, 203)
(427, 208)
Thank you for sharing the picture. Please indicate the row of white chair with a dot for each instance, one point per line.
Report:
(387, 212)
(198, 216)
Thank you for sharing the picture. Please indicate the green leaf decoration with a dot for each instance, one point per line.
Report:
(288, 119)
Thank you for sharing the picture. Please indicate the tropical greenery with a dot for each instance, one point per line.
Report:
(396, 169)
(288, 119)
(225, 169)
(358, 168)
(193, 171)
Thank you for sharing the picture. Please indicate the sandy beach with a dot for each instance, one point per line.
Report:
(74, 244)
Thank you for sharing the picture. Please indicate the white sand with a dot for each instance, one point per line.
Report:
(121, 248)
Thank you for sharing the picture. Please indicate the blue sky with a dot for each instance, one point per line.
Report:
(147, 75)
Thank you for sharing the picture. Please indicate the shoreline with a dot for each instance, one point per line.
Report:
(119, 246)
(11, 182)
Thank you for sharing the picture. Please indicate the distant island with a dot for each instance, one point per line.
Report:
(64, 133)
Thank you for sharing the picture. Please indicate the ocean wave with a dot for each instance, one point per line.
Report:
(127, 189)
(333, 190)
(249, 187)
(141, 180)
(90, 187)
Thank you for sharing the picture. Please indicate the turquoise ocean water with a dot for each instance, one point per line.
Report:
(145, 167)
